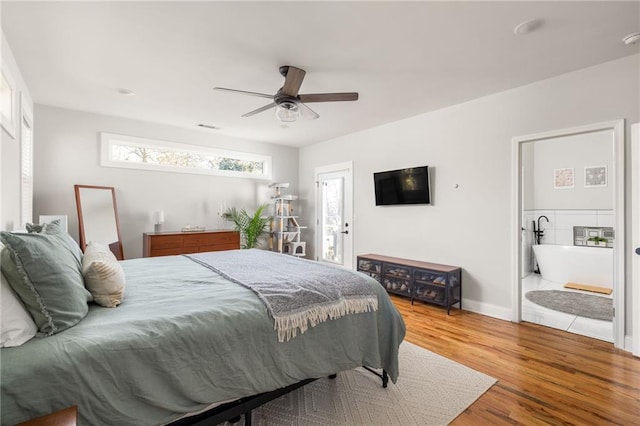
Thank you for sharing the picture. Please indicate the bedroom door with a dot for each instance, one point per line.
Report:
(334, 241)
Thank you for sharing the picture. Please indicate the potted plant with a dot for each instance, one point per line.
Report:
(597, 241)
(250, 226)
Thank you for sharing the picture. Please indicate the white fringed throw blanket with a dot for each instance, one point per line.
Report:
(298, 293)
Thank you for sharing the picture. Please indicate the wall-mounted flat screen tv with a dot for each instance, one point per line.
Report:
(404, 186)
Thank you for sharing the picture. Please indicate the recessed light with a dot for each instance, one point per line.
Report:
(126, 92)
(527, 27)
(208, 126)
(632, 38)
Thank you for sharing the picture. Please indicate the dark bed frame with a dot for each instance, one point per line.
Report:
(231, 411)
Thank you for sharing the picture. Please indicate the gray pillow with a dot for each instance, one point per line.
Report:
(54, 228)
(45, 272)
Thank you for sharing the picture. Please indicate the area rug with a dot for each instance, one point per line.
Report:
(584, 305)
(431, 390)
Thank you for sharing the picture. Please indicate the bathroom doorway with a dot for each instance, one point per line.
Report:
(567, 203)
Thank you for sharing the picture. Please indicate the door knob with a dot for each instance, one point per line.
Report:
(345, 232)
(638, 250)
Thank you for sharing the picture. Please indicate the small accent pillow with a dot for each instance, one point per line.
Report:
(44, 271)
(103, 275)
(16, 326)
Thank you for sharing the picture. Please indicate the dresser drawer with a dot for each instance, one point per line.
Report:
(167, 244)
(218, 247)
(169, 251)
(166, 241)
(199, 240)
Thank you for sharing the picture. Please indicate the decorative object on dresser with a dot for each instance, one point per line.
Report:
(429, 282)
(172, 243)
(285, 229)
(158, 220)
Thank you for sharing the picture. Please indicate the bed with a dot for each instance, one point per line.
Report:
(184, 337)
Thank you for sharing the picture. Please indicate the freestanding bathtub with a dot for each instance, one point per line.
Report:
(582, 265)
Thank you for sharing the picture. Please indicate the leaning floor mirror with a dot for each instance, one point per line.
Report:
(98, 217)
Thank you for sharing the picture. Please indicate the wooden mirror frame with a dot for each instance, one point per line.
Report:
(116, 246)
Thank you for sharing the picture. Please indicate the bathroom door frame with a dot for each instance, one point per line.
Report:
(617, 182)
(635, 237)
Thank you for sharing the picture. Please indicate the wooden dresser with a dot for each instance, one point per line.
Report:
(171, 243)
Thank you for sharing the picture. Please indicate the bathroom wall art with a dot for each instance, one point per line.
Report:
(595, 176)
(563, 178)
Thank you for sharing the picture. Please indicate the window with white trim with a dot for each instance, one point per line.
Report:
(26, 165)
(150, 154)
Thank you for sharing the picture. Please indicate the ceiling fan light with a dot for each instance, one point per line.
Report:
(287, 112)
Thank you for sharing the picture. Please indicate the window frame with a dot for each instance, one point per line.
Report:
(10, 122)
(26, 183)
(107, 140)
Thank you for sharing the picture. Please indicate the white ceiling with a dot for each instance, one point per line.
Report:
(403, 58)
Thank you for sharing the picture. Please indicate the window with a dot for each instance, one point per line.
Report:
(8, 101)
(148, 154)
(26, 164)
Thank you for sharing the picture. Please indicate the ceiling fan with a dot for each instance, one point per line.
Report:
(288, 103)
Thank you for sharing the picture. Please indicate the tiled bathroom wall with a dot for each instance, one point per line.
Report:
(559, 229)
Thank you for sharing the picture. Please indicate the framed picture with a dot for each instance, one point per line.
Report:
(595, 176)
(563, 178)
(8, 99)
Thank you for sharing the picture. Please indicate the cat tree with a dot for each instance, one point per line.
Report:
(285, 229)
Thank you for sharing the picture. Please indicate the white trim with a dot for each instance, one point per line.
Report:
(109, 139)
(617, 182)
(10, 123)
(26, 193)
(487, 309)
(635, 236)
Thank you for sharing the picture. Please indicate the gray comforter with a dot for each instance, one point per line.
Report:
(184, 337)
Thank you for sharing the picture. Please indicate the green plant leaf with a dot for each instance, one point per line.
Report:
(250, 226)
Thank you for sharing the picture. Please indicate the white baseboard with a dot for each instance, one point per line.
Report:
(628, 343)
(487, 309)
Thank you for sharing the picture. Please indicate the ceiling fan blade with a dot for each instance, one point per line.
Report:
(328, 97)
(293, 81)
(243, 92)
(308, 112)
(259, 110)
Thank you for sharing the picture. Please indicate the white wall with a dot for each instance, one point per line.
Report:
(67, 152)
(470, 145)
(10, 150)
(577, 152)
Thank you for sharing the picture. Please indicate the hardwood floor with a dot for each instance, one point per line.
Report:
(545, 376)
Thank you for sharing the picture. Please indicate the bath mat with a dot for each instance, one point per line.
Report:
(592, 288)
(584, 305)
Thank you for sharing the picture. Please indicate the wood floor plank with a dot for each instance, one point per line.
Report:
(545, 376)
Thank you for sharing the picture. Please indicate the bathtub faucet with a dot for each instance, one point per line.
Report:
(539, 233)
